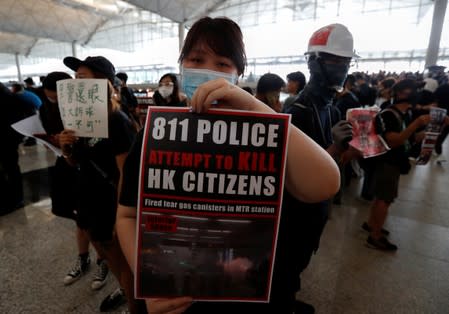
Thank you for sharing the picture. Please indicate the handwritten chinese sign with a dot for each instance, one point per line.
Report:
(83, 104)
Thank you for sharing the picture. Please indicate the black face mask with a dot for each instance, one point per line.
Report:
(330, 76)
(336, 75)
(409, 99)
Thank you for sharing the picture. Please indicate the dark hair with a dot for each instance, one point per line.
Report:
(122, 76)
(51, 79)
(248, 89)
(17, 87)
(350, 79)
(404, 85)
(299, 77)
(269, 82)
(388, 82)
(174, 98)
(29, 80)
(222, 35)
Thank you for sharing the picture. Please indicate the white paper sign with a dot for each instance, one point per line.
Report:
(83, 104)
(32, 127)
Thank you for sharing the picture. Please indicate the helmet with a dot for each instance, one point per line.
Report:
(333, 39)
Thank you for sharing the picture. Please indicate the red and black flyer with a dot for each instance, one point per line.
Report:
(210, 196)
(365, 139)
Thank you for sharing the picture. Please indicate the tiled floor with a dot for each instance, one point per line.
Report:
(37, 249)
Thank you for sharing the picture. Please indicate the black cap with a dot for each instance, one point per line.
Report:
(29, 80)
(51, 79)
(98, 64)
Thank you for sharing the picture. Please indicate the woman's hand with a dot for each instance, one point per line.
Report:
(66, 140)
(168, 306)
(225, 95)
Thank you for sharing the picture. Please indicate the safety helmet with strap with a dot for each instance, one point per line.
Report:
(333, 39)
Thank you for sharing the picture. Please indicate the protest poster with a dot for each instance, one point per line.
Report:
(365, 139)
(83, 104)
(210, 196)
(432, 132)
(32, 127)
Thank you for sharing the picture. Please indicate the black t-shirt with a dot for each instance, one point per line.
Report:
(130, 181)
(50, 118)
(393, 120)
(309, 219)
(345, 102)
(314, 118)
(289, 262)
(95, 154)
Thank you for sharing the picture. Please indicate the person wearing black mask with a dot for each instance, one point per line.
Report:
(329, 53)
(395, 126)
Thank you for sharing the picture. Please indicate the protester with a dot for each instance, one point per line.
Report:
(100, 163)
(63, 183)
(11, 187)
(168, 93)
(295, 84)
(128, 100)
(329, 54)
(398, 131)
(268, 90)
(215, 44)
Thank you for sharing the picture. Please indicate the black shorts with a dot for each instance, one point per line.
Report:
(386, 182)
(97, 209)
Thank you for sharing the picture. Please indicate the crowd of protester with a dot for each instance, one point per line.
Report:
(320, 135)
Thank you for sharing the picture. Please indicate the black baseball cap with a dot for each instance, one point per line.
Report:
(97, 63)
(51, 79)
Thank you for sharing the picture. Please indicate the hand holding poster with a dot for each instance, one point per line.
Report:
(432, 132)
(365, 139)
(83, 104)
(210, 195)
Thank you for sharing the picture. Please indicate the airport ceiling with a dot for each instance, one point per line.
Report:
(24, 23)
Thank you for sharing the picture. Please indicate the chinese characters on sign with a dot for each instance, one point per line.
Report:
(83, 104)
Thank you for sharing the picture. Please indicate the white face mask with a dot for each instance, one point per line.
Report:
(165, 91)
(192, 78)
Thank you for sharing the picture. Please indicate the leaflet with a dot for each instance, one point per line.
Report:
(365, 139)
(210, 196)
(432, 132)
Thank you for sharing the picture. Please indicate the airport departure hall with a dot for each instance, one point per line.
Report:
(224, 156)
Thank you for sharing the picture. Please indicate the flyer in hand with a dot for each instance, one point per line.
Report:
(432, 132)
(210, 196)
(365, 139)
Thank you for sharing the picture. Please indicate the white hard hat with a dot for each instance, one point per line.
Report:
(334, 39)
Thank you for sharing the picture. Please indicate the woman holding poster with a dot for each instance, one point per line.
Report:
(212, 59)
(100, 162)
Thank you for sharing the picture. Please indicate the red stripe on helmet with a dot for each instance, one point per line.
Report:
(320, 37)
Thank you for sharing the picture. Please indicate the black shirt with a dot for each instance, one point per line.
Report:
(393, 120)
(346, 101)
(288, 260)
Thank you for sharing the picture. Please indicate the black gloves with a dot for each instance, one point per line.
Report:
(342, 134)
